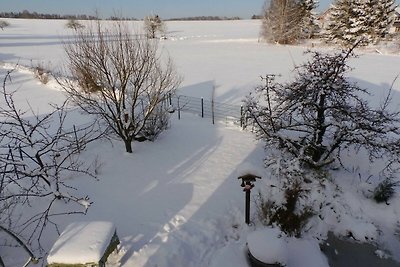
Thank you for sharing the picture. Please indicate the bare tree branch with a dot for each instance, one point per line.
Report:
(38, 154)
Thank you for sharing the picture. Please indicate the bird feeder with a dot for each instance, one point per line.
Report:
(248, 181)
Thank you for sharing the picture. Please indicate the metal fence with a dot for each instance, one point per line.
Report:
(208, 109)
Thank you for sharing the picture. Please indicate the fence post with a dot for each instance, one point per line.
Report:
(241, 116)
(212, 111)
(202, 107)
(179, 109)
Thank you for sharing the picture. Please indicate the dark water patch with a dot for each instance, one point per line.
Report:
(343, 253)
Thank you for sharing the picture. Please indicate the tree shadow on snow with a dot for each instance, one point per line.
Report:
(193, 241)
(144, 191)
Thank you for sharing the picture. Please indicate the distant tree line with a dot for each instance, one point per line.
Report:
(257, 17)
(206, 18)
(34, 15)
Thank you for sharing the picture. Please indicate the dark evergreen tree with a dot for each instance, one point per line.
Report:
(346, 24)
(385, 17)
(308, 23)
(371, 7)
(351, 21)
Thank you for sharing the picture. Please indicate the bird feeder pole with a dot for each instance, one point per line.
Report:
(247, 184)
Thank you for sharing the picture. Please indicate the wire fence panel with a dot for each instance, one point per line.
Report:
(208, 109)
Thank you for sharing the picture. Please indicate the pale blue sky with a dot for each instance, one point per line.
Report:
(141, 8)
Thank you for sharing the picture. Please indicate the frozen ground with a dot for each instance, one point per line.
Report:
(177, 201)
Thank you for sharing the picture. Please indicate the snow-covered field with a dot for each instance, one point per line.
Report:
(177, 201)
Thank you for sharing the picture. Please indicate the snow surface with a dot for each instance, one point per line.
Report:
(272, 246)
(177, 201)
(268, 246)
(82, 242)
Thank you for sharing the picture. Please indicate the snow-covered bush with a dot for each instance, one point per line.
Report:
(157, 123)
(87, 82)
(73, 24)
(385, 190)
(41, 74)
(291, 213)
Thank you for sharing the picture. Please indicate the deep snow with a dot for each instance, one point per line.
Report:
(177, 201)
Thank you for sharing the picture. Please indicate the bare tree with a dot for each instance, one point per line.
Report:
(122, 79)
(152, 25)
(287, 21)
(281, 22)
(321, 114)
(38, 155)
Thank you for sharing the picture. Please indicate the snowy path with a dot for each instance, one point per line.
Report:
(194, 233)
(180, 199)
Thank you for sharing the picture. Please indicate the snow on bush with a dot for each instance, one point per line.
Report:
(271, 246)
(268, 246)
(83, 242)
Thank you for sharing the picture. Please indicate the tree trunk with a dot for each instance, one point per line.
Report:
(128, 146)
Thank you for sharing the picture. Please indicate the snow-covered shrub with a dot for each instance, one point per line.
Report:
(4, 24)
(385, 190)
(289, 216)
(73, 24)
(86, 81)
(41, 74)
(157, 123)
